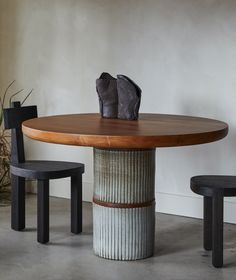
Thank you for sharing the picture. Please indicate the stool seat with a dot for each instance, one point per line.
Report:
(206, 185)
(45, 169)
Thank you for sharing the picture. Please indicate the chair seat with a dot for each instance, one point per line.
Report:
(206, 185)
(43, 169)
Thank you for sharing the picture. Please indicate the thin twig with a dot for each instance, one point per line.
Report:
(3, 176)
(14, 95)
(27, 97)
(5, 93)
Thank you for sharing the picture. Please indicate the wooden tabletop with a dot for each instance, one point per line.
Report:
(150, 131)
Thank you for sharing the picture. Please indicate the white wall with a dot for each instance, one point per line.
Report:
(181, 52)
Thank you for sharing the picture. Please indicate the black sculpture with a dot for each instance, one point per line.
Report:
(106, 87)
(118, 98)
(129, 97)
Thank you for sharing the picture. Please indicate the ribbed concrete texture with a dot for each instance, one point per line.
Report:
(124, 203)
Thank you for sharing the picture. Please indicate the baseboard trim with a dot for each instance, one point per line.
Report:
(191, 206)
(61, 191)
(167, 203)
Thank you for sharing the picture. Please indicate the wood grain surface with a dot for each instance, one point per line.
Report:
(150, 131)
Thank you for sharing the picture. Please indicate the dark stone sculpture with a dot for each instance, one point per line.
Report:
(129, 97)
(106, 86)
(118, 98)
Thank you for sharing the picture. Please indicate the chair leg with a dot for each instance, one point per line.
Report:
(207, 223)
(18, 202)
(218, 217)
(43, 211)
(76, 204)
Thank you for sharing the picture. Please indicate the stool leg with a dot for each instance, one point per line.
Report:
(76, 204)
(43, 211)
(18, 202)
(207, 223)
(218, 217)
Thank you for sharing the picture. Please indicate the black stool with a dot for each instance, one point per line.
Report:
(42, 171)
(214, 189)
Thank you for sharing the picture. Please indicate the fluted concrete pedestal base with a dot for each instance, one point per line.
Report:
(124, 203)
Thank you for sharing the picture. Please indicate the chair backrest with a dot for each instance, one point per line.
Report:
(13, 118)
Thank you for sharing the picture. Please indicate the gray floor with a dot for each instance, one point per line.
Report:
(178, 252)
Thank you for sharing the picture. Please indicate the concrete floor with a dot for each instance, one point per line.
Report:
(178, 252)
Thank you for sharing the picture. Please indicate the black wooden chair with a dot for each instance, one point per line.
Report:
(42, 171)
(214, 188)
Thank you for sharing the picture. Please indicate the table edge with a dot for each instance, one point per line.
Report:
(123, 142)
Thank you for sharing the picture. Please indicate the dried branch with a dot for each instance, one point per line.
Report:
(5, 139)
(19, 91)
(5, 93)
(27, 96)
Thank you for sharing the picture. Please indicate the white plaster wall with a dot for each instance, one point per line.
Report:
(181, 52)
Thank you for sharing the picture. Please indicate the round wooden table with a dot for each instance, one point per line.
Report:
(124, 170)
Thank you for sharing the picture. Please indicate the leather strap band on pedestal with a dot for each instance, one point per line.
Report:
(123, 205)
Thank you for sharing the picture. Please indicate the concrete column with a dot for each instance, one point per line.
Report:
(124, 203)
